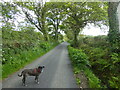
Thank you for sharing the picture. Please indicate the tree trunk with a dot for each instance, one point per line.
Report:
(114, 34)
(56, 31)
(43, 26)
(75, 43)
(45, 36)
(56, 35)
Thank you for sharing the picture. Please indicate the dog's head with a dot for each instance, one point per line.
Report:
(41, 67)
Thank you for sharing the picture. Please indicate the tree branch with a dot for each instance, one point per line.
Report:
(31, 21)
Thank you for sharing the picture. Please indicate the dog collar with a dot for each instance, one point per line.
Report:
(39, 70)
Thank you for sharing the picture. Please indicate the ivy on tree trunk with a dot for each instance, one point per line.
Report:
(114, 35)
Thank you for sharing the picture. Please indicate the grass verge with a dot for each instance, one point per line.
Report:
(81, 64)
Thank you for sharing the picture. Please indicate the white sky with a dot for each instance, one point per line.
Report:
(95, 31)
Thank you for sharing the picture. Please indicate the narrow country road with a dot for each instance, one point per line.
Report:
(57, 74)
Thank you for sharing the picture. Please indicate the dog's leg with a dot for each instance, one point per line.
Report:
(23, 80)
(36, 79)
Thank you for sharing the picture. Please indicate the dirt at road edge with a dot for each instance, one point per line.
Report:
(83, 80)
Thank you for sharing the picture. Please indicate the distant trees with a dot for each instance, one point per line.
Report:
(55, 17)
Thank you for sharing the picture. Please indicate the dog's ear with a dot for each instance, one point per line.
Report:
(39, 67)
(43, 66)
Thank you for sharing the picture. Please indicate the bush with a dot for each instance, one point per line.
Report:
(114, 82)
(94, 82)
(78, 57)
(80, 63)
(105, 64)
(44, 45)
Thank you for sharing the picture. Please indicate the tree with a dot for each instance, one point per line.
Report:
(69, 33)
(54, 17)
(36, 15)
(81, 13)
(114, 34)
(8, 11)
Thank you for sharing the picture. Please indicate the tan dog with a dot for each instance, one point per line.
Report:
(31, 72)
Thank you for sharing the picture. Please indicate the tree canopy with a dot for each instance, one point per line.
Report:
(52, 18)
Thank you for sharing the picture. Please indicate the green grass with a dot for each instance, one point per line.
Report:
(0, 71)
(94, 82)
(78, 81)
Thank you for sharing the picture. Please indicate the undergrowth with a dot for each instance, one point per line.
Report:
(104, 62)
(80, 63)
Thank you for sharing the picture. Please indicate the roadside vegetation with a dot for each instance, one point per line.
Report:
(98, 57)
(94, 58)
(81, 63)
(104, 63)
(21, 48)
